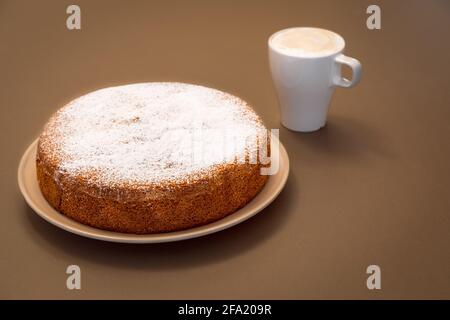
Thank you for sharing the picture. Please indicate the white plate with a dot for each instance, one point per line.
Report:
(30, 189)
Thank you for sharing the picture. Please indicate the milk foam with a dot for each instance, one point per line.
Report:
(309, 42)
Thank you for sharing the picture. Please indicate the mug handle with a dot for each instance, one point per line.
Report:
(354, 64)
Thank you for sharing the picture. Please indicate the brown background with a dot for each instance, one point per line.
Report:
(370, 188)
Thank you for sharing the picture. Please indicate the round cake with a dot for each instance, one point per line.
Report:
(152, 157)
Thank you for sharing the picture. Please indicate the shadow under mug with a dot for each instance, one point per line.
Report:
(305, 83)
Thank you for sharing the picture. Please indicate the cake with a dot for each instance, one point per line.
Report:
(152, 157)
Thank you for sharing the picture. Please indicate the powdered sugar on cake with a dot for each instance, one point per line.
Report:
(150, 132)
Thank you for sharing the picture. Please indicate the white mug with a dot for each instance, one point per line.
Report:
(305, 80)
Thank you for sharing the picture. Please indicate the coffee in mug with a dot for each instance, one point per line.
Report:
(306, 67)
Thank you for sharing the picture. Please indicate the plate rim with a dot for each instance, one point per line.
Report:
(112, 236)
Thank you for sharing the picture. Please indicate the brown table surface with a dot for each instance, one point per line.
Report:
(372, 187)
